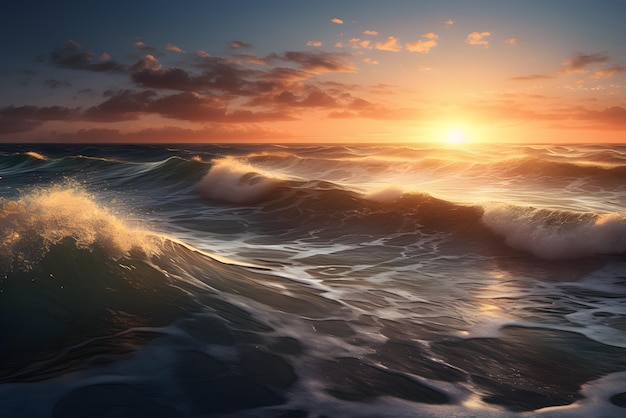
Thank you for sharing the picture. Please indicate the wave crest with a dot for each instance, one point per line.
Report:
(233, 181)
(45, 217)
(554, 234)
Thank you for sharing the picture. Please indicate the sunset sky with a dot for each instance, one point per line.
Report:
(313, 71)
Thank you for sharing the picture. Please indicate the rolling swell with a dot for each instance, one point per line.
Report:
(301, 208)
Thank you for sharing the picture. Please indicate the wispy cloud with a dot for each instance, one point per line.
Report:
(173, 48)
(238, 45)
(337, 21)
(391, 44)
(142, 46)
(579, 62)
(478, 38)
(449, 22)
(610, 71)
(532, 77)
(423, 46)
(370, 32)
(371, 61)
(314, 43)
(511, 41)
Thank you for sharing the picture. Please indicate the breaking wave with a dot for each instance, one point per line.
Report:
(555, 234)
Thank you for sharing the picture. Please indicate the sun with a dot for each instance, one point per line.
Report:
(455, 136)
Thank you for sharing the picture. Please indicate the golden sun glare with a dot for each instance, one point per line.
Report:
(455, 136)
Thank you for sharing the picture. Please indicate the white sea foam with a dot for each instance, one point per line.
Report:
(233, 181)
(555, 235)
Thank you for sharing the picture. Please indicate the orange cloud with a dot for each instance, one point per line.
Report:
(609, 72)
(173, 48)
(532, 77)
(337, 21)
(370, 61)
(391, 44)
(423, 46)
(449, 22)
(370, 32)
(478, 38)
(104, 57)
(314, 43)
(511, 41)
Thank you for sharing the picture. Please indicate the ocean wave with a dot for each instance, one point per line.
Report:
(233, 181)
(556, 234)
(43, 217)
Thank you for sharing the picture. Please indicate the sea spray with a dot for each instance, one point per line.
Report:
(44, 217)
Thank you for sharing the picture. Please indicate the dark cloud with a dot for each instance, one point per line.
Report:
(169, 78)
(216, 75)
(194, 107)
(580, 61)
(38, 113)
(170, 134)
(54, 84)
(314, 98)
(73, 56)
(120, 106)
(317, 62)
(13, 126)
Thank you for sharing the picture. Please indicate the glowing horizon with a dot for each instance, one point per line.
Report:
(398, 72)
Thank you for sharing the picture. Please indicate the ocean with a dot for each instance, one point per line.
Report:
(298, 281)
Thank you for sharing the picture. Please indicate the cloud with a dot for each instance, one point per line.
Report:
(191, 106)
(73, 56)
(371, 61)
(143, 47)
(149, 62)
(318, 62)
(478, 38)
(173, 48)
(120, 105)
(104, 57)
(337, 21)
(511, 41)
(579, 62)
(202, 54)
(54, 84)
(239, 45)
(423, 46)
(391, 44)
(314, 43)
(14, 126)
(609, 72)
(532, 77)
(46, 113)
(370, 32)
(170, 134)
(449, 22)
